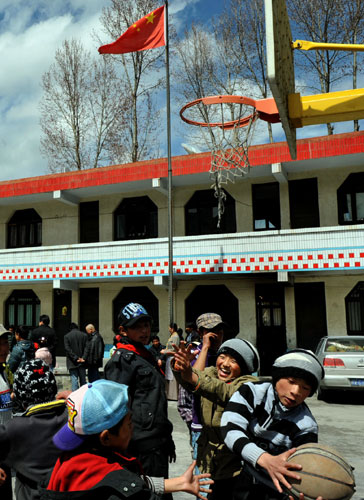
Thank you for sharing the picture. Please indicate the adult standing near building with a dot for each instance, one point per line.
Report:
(171, 382)
(94, 353)
(44, 330)
(75, 344)
(133, 365)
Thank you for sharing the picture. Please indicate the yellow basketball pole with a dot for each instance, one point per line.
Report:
(306, 45)
(332, 107)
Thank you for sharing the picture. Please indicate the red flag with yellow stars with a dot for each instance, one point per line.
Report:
(147, 33)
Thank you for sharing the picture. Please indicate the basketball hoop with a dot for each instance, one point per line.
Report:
(230, 144)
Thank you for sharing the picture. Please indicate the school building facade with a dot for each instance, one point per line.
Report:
(285, 268)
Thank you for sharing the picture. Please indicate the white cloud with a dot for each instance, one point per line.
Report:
(29, 37)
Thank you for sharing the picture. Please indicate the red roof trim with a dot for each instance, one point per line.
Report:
(318, 147)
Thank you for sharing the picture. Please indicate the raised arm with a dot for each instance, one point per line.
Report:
(200, 363)
(182, 364)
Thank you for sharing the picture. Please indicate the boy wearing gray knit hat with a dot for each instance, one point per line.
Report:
(264, 423)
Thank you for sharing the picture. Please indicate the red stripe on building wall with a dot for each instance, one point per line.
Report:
(313, 148)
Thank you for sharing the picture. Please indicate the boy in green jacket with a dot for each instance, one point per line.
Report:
(236, 360)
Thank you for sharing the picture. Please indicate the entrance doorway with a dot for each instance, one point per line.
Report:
(89, 307)
(310, 307)
(271, 324)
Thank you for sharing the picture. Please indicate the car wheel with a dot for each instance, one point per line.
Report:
(321, 394)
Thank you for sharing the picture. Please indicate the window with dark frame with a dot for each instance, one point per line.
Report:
(266, 206)
(136, 218)
(89, 222)
(201, 214)
(24, 229)
(22, 308)
(354, 305)
(350, 200)
(303, 203)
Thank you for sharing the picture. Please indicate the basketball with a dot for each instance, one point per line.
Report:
(324, 473)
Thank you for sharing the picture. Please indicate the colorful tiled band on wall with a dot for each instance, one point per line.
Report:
(329, 260)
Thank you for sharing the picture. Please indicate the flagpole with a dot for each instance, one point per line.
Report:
(170, 214)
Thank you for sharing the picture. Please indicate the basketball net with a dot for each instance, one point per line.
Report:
(229, 157)
(229, 138)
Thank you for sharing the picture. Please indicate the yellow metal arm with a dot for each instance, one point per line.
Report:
(305, 45)
(326, 108)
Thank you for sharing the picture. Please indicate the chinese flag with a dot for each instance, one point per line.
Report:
(147, 33)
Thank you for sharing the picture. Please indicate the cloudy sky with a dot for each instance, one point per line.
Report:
(30, 33)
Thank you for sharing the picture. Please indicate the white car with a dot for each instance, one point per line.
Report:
(343, 360)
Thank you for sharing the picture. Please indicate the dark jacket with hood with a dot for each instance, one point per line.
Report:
(23, 351)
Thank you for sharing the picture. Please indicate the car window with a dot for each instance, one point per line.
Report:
(344, 345)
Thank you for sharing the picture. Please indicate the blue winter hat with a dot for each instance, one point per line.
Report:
(91, 409)
(132, 313)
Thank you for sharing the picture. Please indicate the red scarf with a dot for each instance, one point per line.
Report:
(141, 351)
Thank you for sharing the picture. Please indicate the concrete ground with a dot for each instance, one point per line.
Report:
(341, 425)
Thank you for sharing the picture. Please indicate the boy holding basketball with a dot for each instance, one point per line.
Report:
(263, 423)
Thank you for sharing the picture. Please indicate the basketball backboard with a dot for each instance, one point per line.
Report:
(280, 65)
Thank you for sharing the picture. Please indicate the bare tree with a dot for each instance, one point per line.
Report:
(242, 25)
(353, 25)
(320, 21)
(139, 72)
(205, 67)
(81, 110)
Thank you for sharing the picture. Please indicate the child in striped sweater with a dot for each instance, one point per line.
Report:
(263, 424)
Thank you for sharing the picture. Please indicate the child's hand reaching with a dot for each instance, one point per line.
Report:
(182, 362)
(189, 483)
(278, 468)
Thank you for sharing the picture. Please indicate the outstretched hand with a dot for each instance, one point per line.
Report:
(182, 356)
(189, 483)
(278, 468)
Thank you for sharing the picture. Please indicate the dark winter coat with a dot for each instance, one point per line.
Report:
(95, 350)
(26, 445)
(23, 351)
(50, 335)
(75, 343)
(151, 427)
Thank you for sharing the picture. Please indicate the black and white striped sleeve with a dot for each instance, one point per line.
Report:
(235, 421)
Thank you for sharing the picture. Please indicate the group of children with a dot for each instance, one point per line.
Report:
(249, 428)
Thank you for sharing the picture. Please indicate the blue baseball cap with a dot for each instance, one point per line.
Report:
(91, 409)
(132, 313)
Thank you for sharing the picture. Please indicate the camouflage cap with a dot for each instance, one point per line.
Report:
(209, 320)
